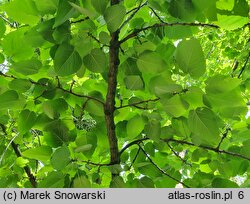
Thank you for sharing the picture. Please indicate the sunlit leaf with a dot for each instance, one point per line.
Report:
(190, 58)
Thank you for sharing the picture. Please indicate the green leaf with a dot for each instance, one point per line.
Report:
(225, 4)
(133, 82)
(245, 149)
(129, 3)
(117, 182)
(135, 126)
(163, 84)
(219, 84)
(180, 126)
(182, 9)
(16, 47)
(175, 106)
(28, 67)
(56, 133)
(145, 182)
(81, 182)
(241, 8)
(53, 108)
(150, 62)
(21, 162)
(153, 129)
(42, 153)
(2, 58)
(207, 8)
(114, 16)
(46, 6)
(82, 10)
(231, 22)
(60, 158)
(8, 99)
(4, 119)
(99, 5)
(67, 61)
(228, 104)
(190, 58)
(86, 143)
(26, 120)
(223, 183)
(22, 11)
(178, 32)
(54, 179)
(194, 97)
(21, 85)
(129, 67)
(95, 61)
(94, 108)
(84, 148)
(64, 12)
(203, 123)
(2, 28)
(104, 37)
(62, 33)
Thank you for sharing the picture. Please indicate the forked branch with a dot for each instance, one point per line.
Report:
(57, 87)
(161, 170)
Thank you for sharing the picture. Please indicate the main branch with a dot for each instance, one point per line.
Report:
(109, 106)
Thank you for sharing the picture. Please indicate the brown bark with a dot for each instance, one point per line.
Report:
(110, 98)
(31, 177)
(27, 170)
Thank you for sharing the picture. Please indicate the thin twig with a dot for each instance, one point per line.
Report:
(158, 25)
(80, 20)
(244, 66)
(97, 164)
(133, 14)
(138, 103)
(208, 148)
(214, 149)
(159, 18)
(136, 155)
(61, 88)
(80, 95)
(12, 25)
(58, 82)
(135, 142)
(93, 37)
(177, 155)
(161, 170)
(71, 85)
(223, 137)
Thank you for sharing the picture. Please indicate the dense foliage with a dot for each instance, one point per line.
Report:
(124, 93)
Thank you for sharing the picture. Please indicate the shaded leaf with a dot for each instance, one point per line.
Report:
(95, 61)
(67, 61)
(60, 158)
(150, 62)
(26, 120)
(203, 123)
(42, 153)
(114, 16)
(135, 126)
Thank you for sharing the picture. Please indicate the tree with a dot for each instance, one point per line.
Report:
(133, 93)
